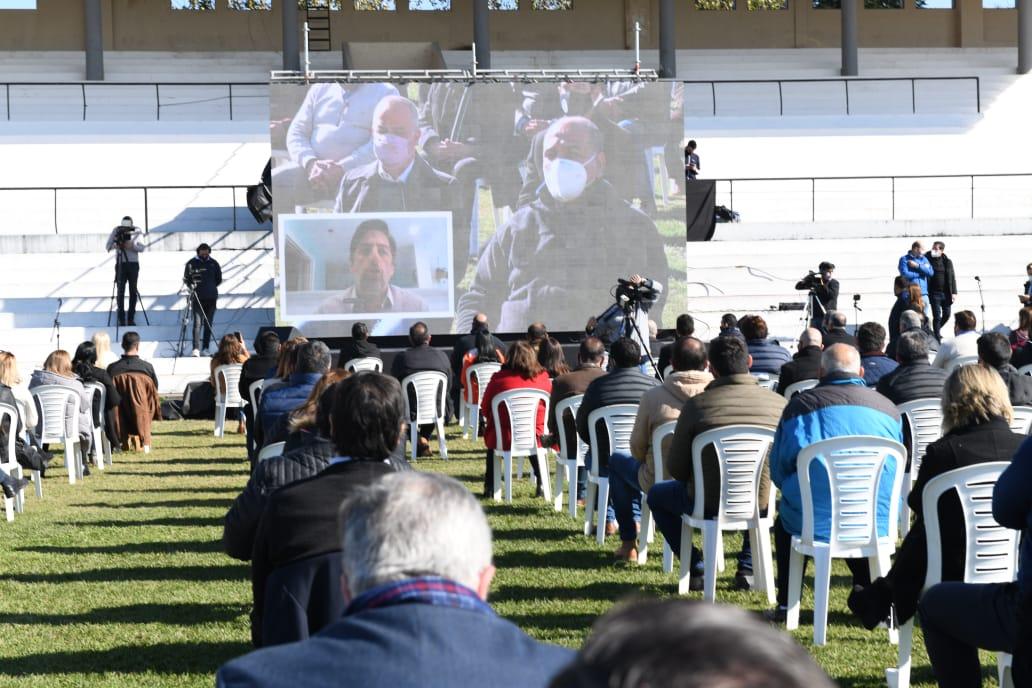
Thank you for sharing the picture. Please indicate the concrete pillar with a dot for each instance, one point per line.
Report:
(482, 34)
(667, 39)
(291, 38)
(1024, 36)
(850, 59)
(94, 41)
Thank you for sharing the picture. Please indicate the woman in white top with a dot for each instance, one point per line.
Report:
(11, 377)
(105, 356)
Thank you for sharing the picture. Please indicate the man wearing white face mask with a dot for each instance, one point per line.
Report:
(557, 257)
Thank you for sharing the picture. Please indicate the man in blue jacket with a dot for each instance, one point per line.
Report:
(915, 266)
(840, 405)
(416, 556)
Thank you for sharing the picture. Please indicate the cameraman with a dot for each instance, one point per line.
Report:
(126, 239)
(204, 274)
(823, 292)
(639, 294)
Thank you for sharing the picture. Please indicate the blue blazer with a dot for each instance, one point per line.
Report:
(404, 645)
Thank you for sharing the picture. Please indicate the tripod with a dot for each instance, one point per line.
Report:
(981, 297)
(629, 325)
(56, 330)
(193, 304)
(120, 260)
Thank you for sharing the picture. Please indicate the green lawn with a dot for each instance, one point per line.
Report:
(121, 581)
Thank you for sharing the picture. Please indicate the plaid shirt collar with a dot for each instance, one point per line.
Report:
(432, 590)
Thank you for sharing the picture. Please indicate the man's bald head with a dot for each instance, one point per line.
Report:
(397, 111)
(841, 358)
(811, 336)
(395, 133)
(576, 138)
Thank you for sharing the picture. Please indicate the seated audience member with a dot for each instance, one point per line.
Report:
(806, 361)
(313, 361)
(130, 362)
(913, 318)
(231, 351)
(463, 345)
(483, 351)
(11, 378)
(536, 333)
(976, 418)
(11, 484)
(767, 355)
(286, 362)
(300, 519)
(733, 398)
(521, 370)
(257, 367)
(835, 329)
(964, 342)
(57, 370)
(105, 356)
(84, 363)
(297, 428)
(417, 570)
(959, 618)
(729, 326)
(685, 327)
(994, 352)
(624, 384)
(840, 405)
(552, 358)
(420, 357)
(634, 473)
(1019, 337)
(359, 345)
(688, 644)
(914, 378)
(870, 339)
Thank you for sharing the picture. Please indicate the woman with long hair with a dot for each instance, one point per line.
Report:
(483, 351)
(10, 377)
(285, 364)
(1019, 337)
(298, 427)
(105, 356)
(552, 358)
(84, 363)
(57, 370)
(231, 351)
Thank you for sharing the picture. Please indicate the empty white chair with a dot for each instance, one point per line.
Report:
(9, 416)
(100, 441)
(52, 401)
(991, 551)
(469, 412)
(357, 365)
(797, 387)
(853, 467)
(924, 418)
(271, 450)
(659, 436)
(430, 388)
(521, 407)
(618, 420)
(741, 451)
(960, 361)
(766, 380)
(227, 393)
(1022, 422)
(566, 467)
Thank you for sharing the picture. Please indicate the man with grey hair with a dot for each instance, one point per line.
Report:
(806, 363)
(840, 405)
(835, 329)
(416, 574)
(915, 378)
(912, 321)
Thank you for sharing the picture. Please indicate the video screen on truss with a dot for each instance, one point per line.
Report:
(525, 201)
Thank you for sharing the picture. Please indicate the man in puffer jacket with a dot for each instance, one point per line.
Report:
(994, 352)
(840, 405)
(313, 360)
(767, 355)
(915, 378)
(634, 473)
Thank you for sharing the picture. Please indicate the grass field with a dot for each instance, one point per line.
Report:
(121, 581)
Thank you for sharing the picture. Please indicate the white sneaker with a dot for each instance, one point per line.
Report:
(196, 353)
(146, 449)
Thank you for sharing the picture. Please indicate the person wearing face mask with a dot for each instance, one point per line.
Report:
(205, 274)
(373, 250)
(942, 287)
(399, 179)
(915, 267)
(559, 255)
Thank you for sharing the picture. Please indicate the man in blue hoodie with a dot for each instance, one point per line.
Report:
(915, 266)
(840, 405)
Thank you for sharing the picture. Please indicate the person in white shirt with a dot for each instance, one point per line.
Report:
(964, 342)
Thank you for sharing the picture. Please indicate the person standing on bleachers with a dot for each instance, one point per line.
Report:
(942, 288)
(125, 239)
(915, 267)
(205, 275)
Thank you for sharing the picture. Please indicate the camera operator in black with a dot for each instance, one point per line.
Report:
(823, 292)
(125, 239)
(205, 274)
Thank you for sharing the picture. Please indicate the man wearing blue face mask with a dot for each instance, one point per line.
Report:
(556, 259)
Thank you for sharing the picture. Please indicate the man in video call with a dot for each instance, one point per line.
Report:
(577, 233)
(373, 250)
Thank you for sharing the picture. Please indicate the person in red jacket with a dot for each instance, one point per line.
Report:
(520, 371)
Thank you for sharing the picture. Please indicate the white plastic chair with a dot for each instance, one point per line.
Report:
(647, 533)
(469, 412)
(960, 361)
(254, 394)
(767, 380)
(431, 390)
(741, 452)
(853, 467)
(991, 550)
(1022, 422)
(271, 450)
(9, 414)
(357, 365)
(522, 406)
(619, 422)
(566, 468)
(227, 393)
(797, 387)
(924, 417)
(52, 401)
(100, 440)
(1025, 369)
(667, 371)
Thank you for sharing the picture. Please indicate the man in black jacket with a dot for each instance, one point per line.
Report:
(942, 287)
(823, 290)
(462, 346)
(359, 346)
(915, 378)
(685, 328)
(835, 330)
(257, 367)
(994, 352)
(418, 358)
(205, 274)
(806, 363)
(131, 361)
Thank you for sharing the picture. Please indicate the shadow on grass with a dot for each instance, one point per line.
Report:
(191, 474)
(561, 559)
(177, 490)
(197, 547)
(185, 521)
(191, 460)
(188, 614)
(161, 658)
(222, 503)
(532, 534)
(602, 590)
(137, 573)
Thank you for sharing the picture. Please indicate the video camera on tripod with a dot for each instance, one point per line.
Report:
(193, 276)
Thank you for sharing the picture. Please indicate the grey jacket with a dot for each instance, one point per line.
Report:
(45, 377)
(132, 249)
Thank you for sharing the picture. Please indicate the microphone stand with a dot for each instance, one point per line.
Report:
(856, 315)
(56, 330)
(981, 297)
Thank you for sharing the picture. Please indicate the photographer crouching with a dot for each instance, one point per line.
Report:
(202, 277)
(823, 290)
(125, 240)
